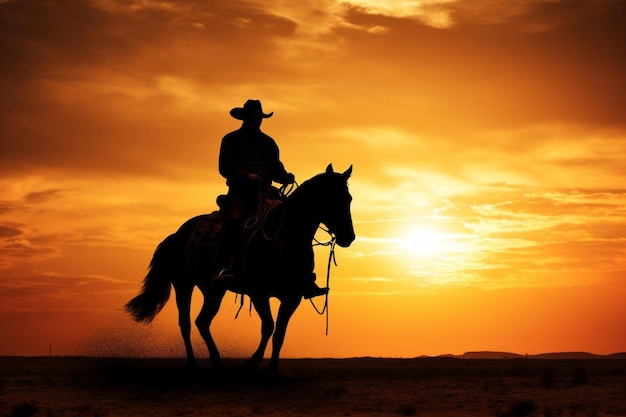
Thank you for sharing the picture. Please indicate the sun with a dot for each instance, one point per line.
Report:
(423, 241)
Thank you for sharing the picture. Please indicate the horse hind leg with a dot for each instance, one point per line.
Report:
(211, 305)
(183, 302)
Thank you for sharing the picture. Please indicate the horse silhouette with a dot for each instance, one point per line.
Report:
(277, 255)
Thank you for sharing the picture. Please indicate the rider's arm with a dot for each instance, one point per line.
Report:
(227, 165)
(280, 174)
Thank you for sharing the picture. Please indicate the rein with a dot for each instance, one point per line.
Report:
(264, 210)
(331, 260)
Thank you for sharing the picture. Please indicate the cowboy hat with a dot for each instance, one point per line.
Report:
(252, 108)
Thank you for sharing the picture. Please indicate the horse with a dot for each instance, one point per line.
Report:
(278, 258)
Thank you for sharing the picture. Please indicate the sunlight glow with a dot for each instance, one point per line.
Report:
(424, 241)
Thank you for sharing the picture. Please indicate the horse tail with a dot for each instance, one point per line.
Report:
(155, 291)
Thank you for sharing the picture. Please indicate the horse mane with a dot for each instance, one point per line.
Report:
(315, 181)
(308, 183)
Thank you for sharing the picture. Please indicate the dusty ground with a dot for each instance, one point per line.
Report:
(64, 387)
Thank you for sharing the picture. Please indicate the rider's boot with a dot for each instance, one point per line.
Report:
(225, 275)
(311, 289)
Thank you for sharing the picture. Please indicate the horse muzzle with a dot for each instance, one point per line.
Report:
(345, 241)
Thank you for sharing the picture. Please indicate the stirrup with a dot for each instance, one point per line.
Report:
(223, 275)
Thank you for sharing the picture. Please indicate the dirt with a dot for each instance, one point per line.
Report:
(99, 387)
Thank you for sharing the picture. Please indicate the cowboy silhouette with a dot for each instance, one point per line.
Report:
(249, 160)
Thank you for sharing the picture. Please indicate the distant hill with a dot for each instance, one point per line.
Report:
(568, 355)
(490, 355)
(553, 355)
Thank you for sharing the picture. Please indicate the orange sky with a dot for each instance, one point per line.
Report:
(487, 138)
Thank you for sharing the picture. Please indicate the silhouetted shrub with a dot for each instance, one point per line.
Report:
(580, 376)
(407, 410)
(335, 392)
(554, 411)
(518, 409)
(519, 371)
(24, 410)
(548, 377)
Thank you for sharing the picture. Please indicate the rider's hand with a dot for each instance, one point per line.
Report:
(291, 178)
(254, 178)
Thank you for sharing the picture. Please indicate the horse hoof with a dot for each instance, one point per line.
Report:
(251, 364)
(273, 369)
(275, 376)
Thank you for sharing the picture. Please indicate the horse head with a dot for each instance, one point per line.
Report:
(336, 214)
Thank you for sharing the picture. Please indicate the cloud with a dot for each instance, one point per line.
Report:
(121, 83)
(25, 250)
(44, 217)
(493, 235)
(431, 12)
(41, 196)
(527, 15)
(321, 18)
(318, 18)
(82, 85)
(52, 291)
(18, 245)
(9, 231)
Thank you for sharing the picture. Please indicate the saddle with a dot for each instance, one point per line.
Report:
(208, 230)
(207, 233)
(202, 243)
(270, 196)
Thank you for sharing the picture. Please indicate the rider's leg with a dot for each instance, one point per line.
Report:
(224, 253)
(230, 237)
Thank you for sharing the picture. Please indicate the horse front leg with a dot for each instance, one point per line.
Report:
(262, 307)
(286, 310)
(211, 305)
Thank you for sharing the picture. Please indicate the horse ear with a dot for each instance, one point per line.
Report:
(348, 172)
(329, 169)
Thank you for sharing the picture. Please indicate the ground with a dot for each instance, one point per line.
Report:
(110, 387)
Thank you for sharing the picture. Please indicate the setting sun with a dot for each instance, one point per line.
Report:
(423, 242)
